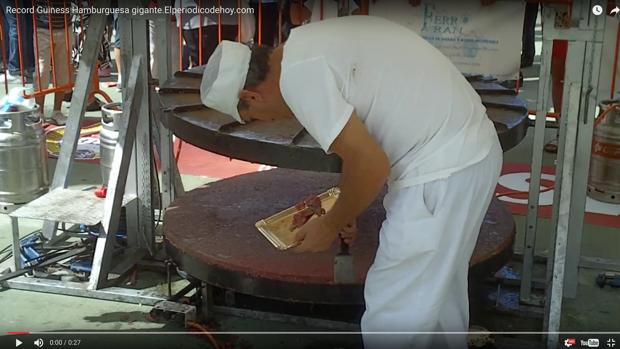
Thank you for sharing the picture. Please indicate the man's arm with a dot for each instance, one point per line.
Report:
(364, 172)
(365, 168)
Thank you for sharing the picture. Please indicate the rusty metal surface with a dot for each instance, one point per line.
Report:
(285, 143)
(210, 232)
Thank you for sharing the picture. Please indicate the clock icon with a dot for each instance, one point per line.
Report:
(597, 10)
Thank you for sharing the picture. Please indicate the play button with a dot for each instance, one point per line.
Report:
(17, 342)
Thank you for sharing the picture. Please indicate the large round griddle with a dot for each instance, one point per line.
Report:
(285, 143)
(210, 234)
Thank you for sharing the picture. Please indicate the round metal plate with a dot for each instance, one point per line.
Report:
(285, 143)
(210, 233)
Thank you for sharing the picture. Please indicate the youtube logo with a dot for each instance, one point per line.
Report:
(569, 342)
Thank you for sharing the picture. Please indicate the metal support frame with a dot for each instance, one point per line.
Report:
(208, 308)
(579, 104)
(574, 145)
(80, 289)
(590, 66)
(171, 184)
(118, 175)
(139, 217)
(7, 208)
(189, 311)
(584, 261)
(17, 263)
(83, 81)
(206, 295)
(133, 169)
(544, 89)
(286, 318)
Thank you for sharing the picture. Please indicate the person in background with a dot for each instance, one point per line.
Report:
(12, 44)
(558, 69)
(5, 43)
(116, 44)
(105, 64)
(299, 12)
(191, 32)
(528, 50)
(80, 30)
(153, 43)
(269, 23)
(59, 49)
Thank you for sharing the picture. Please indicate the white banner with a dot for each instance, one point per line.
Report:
(478, 39)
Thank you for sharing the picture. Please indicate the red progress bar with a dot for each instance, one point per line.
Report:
(18, 333)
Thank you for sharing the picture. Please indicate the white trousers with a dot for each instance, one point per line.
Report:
(418, 281)
(63, 71)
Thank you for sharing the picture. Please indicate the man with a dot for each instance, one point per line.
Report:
(53, 58)
(396, 110)
(14, 40)
(268, 21)
(213, 26)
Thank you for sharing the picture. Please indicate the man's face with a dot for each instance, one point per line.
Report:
(263, 104)
(258, 110)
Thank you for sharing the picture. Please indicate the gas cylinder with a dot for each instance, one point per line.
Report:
(604, 179)
(23, 157)
(108, 137)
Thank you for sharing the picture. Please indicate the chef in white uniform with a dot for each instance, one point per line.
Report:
(397, 111)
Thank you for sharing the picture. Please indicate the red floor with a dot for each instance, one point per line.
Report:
(197, 162)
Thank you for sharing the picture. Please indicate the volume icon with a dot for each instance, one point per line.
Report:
(38, 342)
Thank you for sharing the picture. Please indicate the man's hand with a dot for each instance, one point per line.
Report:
(316, 236)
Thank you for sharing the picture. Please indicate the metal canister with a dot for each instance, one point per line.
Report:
(23, 157)
(604, 180)
(108, 137)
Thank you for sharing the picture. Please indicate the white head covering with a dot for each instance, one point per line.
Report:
(224, 77)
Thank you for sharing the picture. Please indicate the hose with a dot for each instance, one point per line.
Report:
(204, 330)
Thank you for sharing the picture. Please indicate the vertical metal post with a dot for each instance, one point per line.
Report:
(572, 73)
(118, 175)
(140, 224)
(555, 287)
(143, 146)
(206, 294)
(591, 69)
(17, 263)
(131, 211)
(581, 79)
(542, 105)
(169, 172)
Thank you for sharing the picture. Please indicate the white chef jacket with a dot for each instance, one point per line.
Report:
(412, 99)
